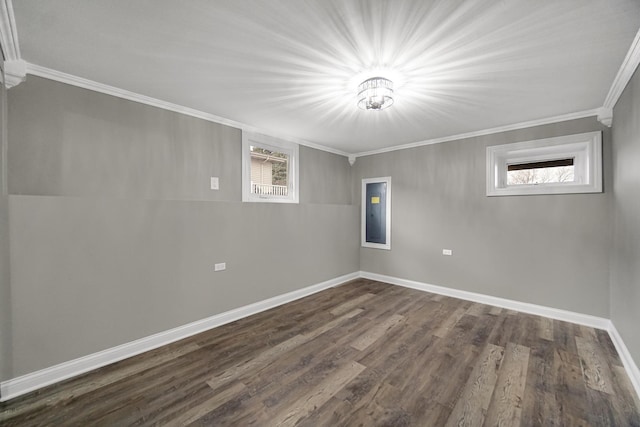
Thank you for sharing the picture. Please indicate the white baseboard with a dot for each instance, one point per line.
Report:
(628, 362)
(540, 310)
(554, 313)
(26, 383)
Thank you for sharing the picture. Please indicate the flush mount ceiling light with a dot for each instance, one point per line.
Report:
(375, 93)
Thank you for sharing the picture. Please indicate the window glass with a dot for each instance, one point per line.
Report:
(547, 172)
(269, 169)
(269, 172)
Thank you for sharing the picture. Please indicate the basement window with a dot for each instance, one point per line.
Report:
(561, 165)
(541, 172)
(269, 169)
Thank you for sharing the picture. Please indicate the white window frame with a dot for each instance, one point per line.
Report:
(584, 148)
(363, 217)
(273, 144)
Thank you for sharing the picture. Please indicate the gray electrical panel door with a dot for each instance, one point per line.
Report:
(376, 213)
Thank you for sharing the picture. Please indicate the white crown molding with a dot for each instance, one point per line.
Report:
(628, 67)
(627, 361)
(525, 307)
(48, 73)
(516, 126)
(26, 383)
(15, 69)
(8, 32)
(605, 116)
(15, 72)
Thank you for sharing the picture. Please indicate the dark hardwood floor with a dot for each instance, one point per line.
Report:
(362, 354)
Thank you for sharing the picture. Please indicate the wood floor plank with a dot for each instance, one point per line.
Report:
(450, 322)
(349, 305)
(151, 394)
(570, 390)
(506, 403)
(294, 374)
(364, 353)
(546, 328)
(595, 369)
(332, 324)
(384, 408)
(538, 406)
(470, 410)
(564, 334)
(607, 346)
(205, 407)
(625, 401)
(101, 378)
(302, 407)
(377, 332)
(274, 352)
(495, 311)
(476, 309)
(588, 333)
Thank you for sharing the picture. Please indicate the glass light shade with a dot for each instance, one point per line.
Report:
(375, 93)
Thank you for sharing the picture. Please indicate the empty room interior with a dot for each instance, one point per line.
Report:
(320, 213)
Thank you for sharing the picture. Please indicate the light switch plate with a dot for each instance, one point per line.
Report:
(220, 266)
(215, 183)
(447, 252)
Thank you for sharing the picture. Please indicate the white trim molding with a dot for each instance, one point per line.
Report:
(15, 72)
(15, 69)
(525, 307)
(26, 383)
(628, 362)
(40, 71)
(490, 131)
(584, 149)
(48, 73)
(8, 32)
(605, 116)
(625, 73)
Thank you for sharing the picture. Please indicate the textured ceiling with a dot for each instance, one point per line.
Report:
(290, 67)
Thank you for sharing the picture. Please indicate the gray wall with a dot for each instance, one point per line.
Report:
(114, 230)
(549, 250)
(625, 259)
(5, 287)
(67, 141)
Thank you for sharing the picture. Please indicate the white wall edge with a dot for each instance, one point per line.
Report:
(628, 362)
(516, 126)
(59, 76)
(26, 383)
(525, 307)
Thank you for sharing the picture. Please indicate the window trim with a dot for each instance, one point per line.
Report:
(274, 144)
(585, 148)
